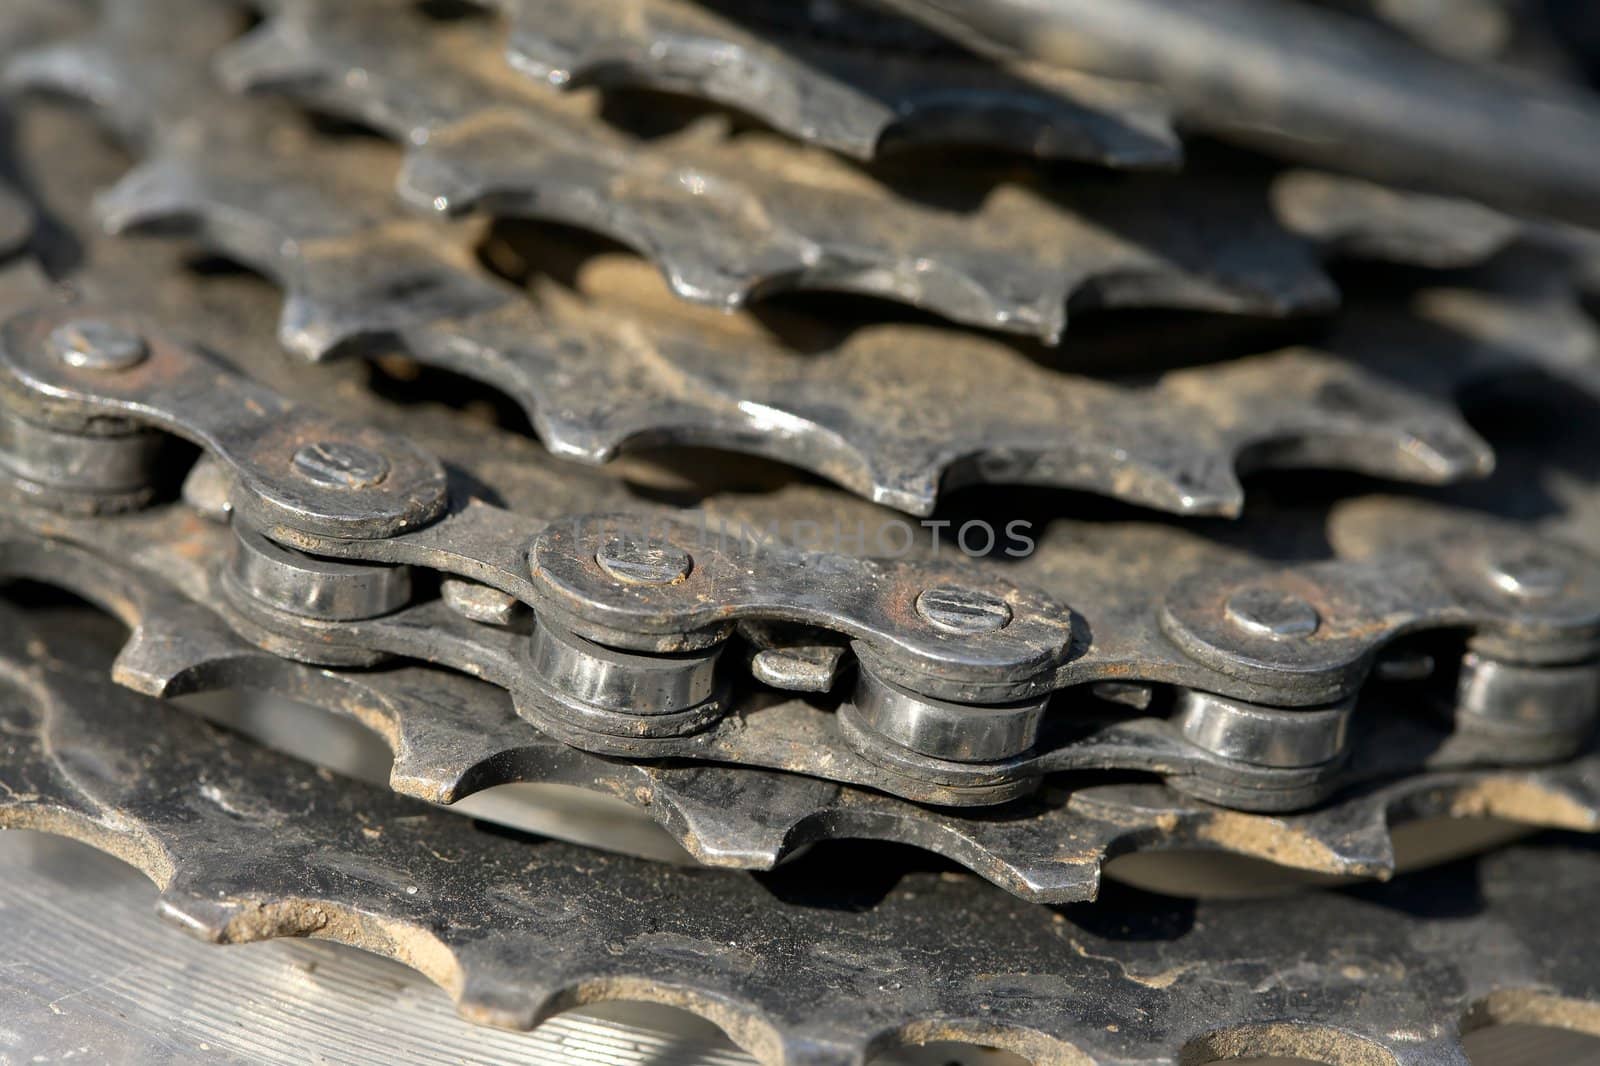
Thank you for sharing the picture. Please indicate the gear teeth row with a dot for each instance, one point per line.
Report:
(857, 101)
(452, 736)
(928, 410)
(245, 845)
(730, 219)
(311, 214)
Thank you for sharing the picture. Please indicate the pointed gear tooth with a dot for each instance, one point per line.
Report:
(142, 64)
(695, 810)
(1347, 419)
(489, 999)
(1357, 831)
(1349, 838)
(1364, 220)
(197, 914)
(266, 57)
(1279, 78)
(844, 97)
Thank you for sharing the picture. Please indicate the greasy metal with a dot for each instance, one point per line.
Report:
(632, 705)
(109, 469)
(94, 344)
(732, 575)
(26, 24)
(246, 845)
(1362, 220)
(343, 469)
(74, 915)
(1515, 703)
(731, 218)
(607, 588)
(610, 678)
(960, 732)
(453, 736)
(480, 603)
(929, 411)
(1112, 566)
(836, 89)
(260, 436)
(1265, 736)
(314, 588)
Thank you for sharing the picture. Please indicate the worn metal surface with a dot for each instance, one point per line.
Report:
(25, 24)
(827, 85)
(928, 409)
(989, 642)
(90, 977)
(245, 845)
(1113, 574)
(453, 737)
(731, 218)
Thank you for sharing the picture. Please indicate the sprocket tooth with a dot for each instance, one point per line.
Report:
(852, 100)
(1350, 838)
(141, 63)
(336, 300)
(1559, 798)
(714, 214)
(1363, 220)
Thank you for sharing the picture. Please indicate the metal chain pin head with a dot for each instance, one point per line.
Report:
(94, 344)
(1527, 572)
(636, 562)
(1270, 613)
(958, 610)
(340, 465)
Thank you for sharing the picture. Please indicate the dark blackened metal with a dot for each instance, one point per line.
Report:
(246, 845)
(730, 219)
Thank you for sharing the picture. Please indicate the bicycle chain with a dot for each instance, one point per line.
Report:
(951, 678)
(262, 192)
(1017, 848)
(1108, 568)
(453, 736)
(901, 708)
(838, 91)
(246, 845)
